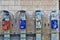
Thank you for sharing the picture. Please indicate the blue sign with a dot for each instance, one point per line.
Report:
(54, 24)
(22, 24)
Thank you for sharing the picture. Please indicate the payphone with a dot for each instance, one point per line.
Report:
(22, 24)
(38, 24)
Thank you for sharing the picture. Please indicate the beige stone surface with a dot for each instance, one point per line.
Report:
(45, 31)
(30, 4)
(30, 24)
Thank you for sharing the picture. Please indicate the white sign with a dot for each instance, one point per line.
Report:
(53, 36)
(23, 37)
(38, 36)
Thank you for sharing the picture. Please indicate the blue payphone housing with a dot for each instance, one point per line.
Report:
(22, 22)
(54, 21)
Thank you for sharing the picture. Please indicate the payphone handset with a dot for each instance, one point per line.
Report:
(6, 20)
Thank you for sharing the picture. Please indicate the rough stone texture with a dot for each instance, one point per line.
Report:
(30, 23)
(45, 30)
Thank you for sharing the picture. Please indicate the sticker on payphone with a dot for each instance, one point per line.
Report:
(54, 24)
(5, 24)
(22, 24)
